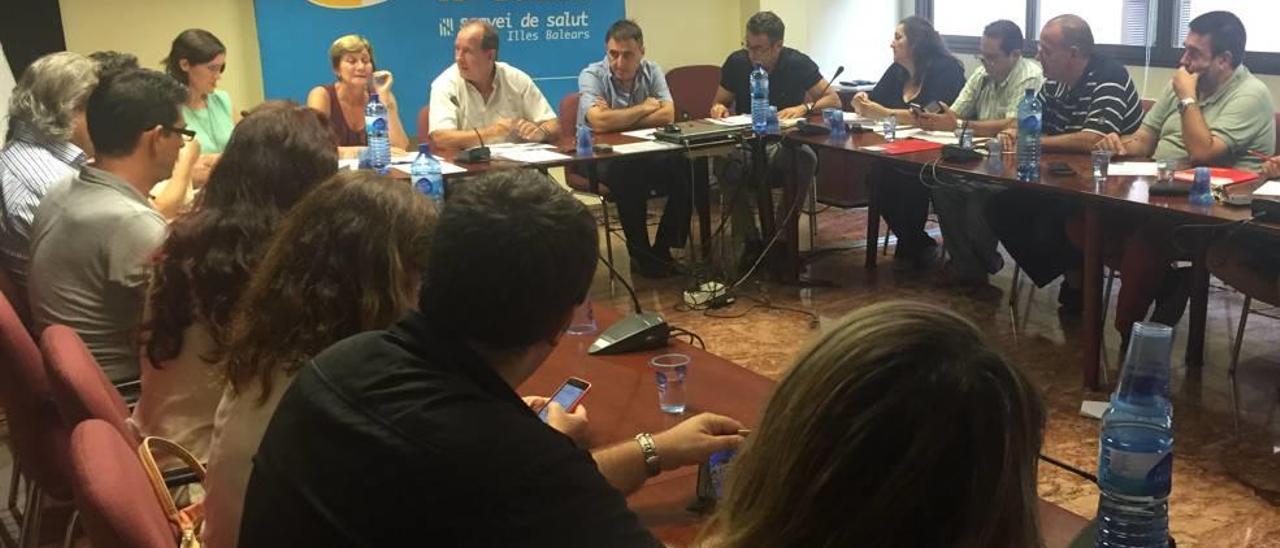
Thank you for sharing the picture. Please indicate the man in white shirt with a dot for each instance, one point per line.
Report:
(479, 98)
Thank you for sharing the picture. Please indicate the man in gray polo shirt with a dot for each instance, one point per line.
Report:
(987, 104)
(1215, 113)
(625, 91)
(93, 236)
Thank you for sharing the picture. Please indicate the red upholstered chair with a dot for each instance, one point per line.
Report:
(576, 179)
(693, 88)
(36, 432)
(117, 505)
(424, 124)
(80, 389)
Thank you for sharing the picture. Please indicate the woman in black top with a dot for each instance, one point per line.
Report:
(923, 72)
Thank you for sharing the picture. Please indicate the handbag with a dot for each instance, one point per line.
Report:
(187, 520)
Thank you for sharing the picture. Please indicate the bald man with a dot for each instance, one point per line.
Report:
(480, 98)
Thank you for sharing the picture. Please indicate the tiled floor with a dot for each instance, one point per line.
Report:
(1226, 489)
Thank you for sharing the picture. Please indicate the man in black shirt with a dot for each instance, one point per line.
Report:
(415, 435)
(796, 86)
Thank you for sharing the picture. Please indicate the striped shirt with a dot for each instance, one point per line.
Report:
(1103, 101)
(29, 166)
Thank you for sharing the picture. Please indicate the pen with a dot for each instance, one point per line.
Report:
(1259, 155)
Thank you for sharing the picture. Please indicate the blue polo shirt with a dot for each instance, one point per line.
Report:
(597, 81)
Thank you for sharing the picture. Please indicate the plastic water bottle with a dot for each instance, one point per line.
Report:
(995, 156)
(375, 128)
(1135, 457)
(585, 140)
(1200, 188)
(773, 126)
(759, 100)
(427, 175)
(1029, 115)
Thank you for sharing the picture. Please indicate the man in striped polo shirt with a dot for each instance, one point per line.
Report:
(1085, 96)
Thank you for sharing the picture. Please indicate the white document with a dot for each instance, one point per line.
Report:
(1132, 169)
(1093, 409)
(646, 146)
(736, 120)
(530, 156)
(446, 168)
(1269, 189)
(494, 148)
(641, 133)
(348, 163)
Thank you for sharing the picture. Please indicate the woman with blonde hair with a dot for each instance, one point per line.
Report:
(343, 101)
(348, 258)
(900, 427)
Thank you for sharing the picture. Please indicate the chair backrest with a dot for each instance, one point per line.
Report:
(424, 124)
(569, 117)
(116, 503)
(80, 389)
(36, 431)
(1278, 133)
(693, 88)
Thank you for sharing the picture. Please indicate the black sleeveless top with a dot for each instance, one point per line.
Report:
(343, 135)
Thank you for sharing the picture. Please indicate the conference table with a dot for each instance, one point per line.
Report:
(623, 401)
(1117, 195)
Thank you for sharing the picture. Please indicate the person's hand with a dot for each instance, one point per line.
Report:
(1114, 143)
(204, 166)
(863, 105)
(652, 104)
(529, 131)
(1008, 138)
(1184, 83)
(694, 440)
(382, 81)
(502, 129)
(790, 113)
(945, 120)
(600, 103)
(1271, 168)
(719, 111)
(189, 154)
(572, 424)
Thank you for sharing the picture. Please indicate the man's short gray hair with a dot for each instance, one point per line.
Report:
(50, 92)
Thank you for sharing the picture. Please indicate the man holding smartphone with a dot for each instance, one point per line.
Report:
(415, 435)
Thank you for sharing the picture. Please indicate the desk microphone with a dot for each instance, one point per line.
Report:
(637, 331)
(839, 71)
(475, 154)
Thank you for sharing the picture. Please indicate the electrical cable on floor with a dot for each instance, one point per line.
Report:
(1092, 478)
(693, 337)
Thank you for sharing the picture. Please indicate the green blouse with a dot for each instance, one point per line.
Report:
(212, 123)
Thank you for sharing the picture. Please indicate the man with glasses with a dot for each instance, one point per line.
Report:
(796, 86)
(987, 104)
(93, 236)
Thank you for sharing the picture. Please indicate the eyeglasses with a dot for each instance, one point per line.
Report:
(187, 135)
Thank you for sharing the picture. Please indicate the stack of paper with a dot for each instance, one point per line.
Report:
(446, 168)
(736, 120)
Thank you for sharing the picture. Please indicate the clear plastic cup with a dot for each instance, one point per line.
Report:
(1101, 163)
(669, 371)
(889, 127)
(584, 320)
(834, 118)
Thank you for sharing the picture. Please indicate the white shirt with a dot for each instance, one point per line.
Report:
(238, 427)
(180, 397)
(457, 104)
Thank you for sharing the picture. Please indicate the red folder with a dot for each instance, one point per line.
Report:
(907, 146)
(1218, 176)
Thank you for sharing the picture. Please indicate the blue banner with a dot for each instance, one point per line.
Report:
(552, 40)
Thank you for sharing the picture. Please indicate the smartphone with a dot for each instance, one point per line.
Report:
(711, 478)
(1061, 168)
(568, 396)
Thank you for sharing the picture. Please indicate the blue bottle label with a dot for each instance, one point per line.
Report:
(375, 124)
(1138, 473)
(1029, 124)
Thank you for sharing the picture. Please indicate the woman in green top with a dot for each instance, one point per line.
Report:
(197, 59)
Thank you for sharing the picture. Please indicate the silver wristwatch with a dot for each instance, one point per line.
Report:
(650, 453)
(1184, 104)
